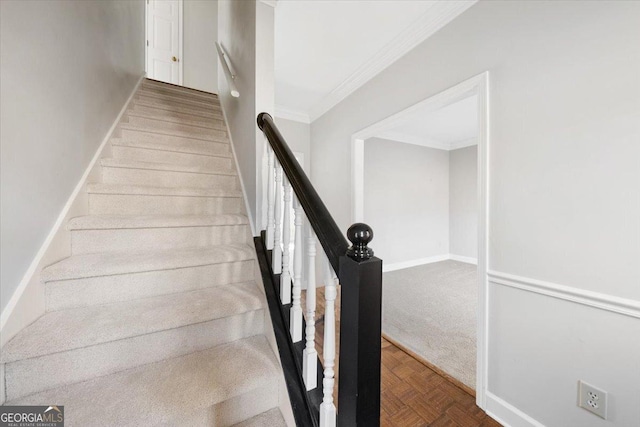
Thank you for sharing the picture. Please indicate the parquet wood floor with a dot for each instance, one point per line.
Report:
(412, 393)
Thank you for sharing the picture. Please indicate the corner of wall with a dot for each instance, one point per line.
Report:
(28, 301)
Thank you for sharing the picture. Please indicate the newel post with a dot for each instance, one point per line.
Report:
(360, 332)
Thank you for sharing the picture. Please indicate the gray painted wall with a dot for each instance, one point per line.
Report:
(406, 199)
(463, 202)
(200, 34)
(237, 34)
(245, 30)
(298, 137)
(67, 67)
(564, 186)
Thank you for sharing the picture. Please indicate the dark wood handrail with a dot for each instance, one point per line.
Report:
(331, 238)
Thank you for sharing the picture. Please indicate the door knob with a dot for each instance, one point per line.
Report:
(174, 59)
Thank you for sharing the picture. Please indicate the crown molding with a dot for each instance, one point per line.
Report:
(439, 15)
(414, 140)
(272, 3)
(289, 114)
(427, 142)
(463, 143)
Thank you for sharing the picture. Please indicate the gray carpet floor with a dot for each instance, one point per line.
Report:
(431, 310)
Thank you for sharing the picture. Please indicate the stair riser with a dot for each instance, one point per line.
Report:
(197, 112)
(175, 103)
(179, 99)
(139, 239)
(126, 204)
(64, 294)
(159, 86)
(171, 179)
(174, 158)
(42, 373)
(170, 116)
(176, 129)
(193, 141)
(234, 410)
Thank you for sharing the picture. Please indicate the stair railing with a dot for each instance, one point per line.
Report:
(227, 69)
(352, 267)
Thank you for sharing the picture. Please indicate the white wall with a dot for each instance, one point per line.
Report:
(463, 202)
(406, 200)
(564, 183)
(200, 58)
(245, 30)
(298, 137)
(67, 68)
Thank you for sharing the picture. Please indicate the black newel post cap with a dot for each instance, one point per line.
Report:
(360, 234)
(261, 118)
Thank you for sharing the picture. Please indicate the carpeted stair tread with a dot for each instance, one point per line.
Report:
(157, 84)
(167, 167)
(111, 263)
(169, 147)
(116, 222)
(180, 108)
(175, 117)
(162, 393)
(173, 102)
(183, 119)
(271, 418)
(175, 97)
(183, 135)
(124, 189)
(182, 125)
(76, 328)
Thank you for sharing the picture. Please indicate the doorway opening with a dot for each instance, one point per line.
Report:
(164, 40)
(420, 179)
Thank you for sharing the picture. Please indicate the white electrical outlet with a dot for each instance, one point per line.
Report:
(592, 399)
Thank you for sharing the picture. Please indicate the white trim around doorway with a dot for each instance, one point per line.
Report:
(478, 85)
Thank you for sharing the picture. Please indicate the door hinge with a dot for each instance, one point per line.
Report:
(147, 42)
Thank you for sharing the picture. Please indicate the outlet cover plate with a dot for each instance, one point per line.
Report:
(592, 399)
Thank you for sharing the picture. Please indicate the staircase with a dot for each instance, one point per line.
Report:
(156, 318)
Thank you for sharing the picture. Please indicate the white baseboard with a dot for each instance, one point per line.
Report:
(428, 260)
(413, 263)
(467, 259)
(252, 223)
(27, 302)
(507, 414)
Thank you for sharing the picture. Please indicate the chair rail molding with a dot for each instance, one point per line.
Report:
(624, 306)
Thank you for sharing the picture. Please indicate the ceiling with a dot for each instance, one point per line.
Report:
(324, 50)
(451, 127)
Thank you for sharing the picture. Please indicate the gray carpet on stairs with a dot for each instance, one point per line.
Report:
(431, 310)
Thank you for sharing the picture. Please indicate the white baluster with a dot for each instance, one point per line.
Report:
(277, 234)
(295, 315)
(309, 355)
(327, 407)
(270, 198)
(264, 178)
(285, 277)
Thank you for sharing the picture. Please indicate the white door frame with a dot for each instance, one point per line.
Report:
(478, 85)
(180, 42)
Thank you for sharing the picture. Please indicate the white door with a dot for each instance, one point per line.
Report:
(164, 40)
